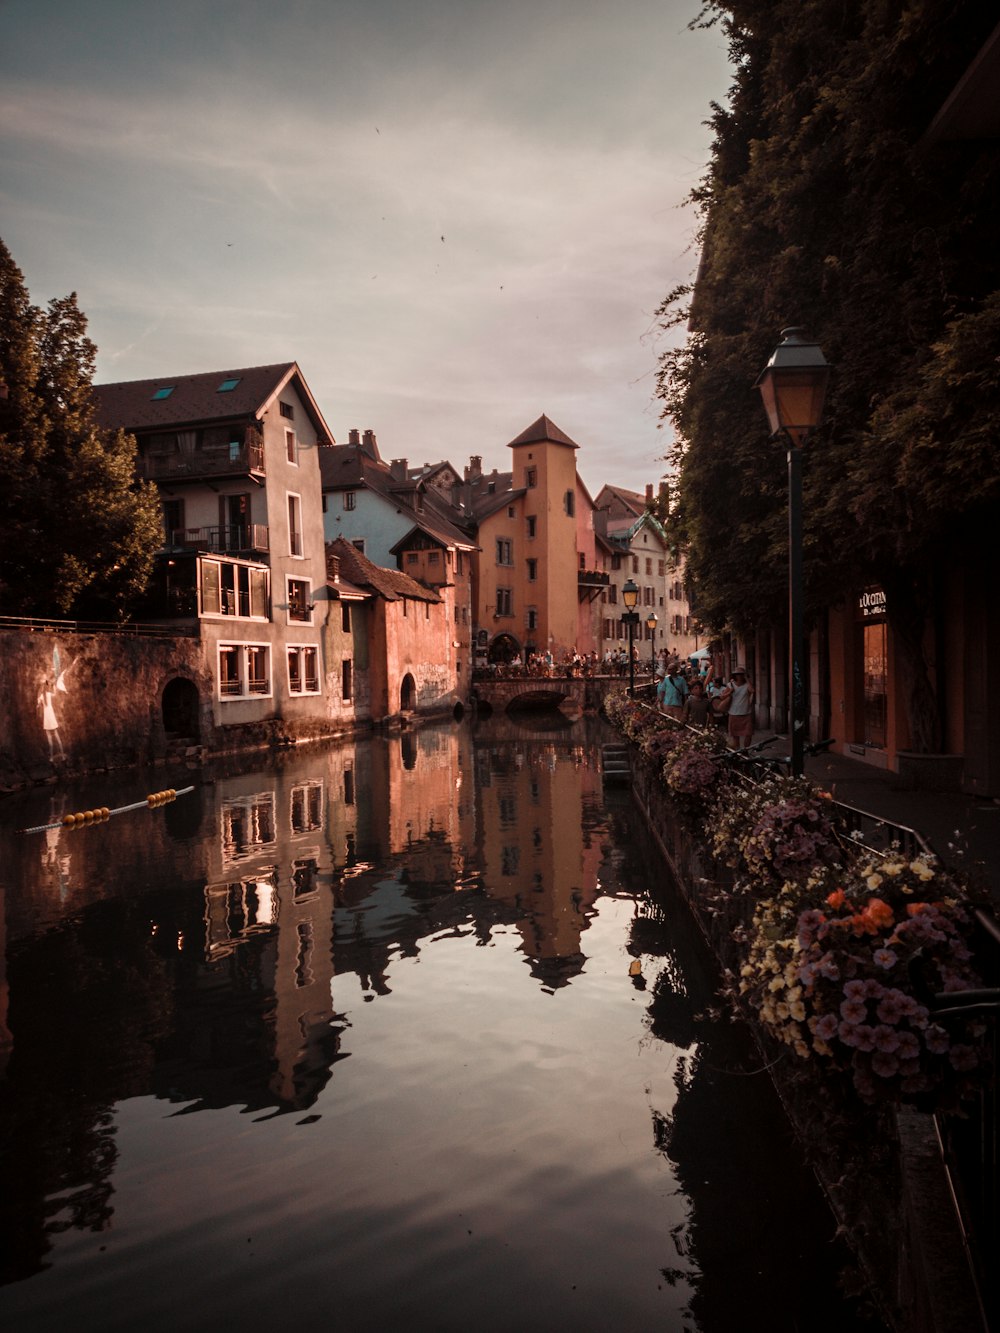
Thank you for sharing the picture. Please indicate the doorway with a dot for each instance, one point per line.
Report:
(875, 710)
(180, 708)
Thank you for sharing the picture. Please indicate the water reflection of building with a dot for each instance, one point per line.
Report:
(536, 857)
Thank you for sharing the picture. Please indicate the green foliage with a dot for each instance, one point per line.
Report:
(77, 533)
(824, 206)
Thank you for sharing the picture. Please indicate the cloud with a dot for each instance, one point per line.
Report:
(278, 207)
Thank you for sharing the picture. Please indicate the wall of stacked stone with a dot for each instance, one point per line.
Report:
(76, 702)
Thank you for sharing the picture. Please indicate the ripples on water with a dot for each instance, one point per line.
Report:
(396, 1035)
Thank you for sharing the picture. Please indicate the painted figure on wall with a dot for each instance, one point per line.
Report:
(53, 683)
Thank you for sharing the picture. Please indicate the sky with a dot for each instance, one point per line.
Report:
(455, 215)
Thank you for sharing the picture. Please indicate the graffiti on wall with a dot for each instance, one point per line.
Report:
(53, 684)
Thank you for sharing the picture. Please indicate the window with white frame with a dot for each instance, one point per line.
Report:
(300, 607)
(303, 669)
(244, 670)
(291, 452)
(228, 588)
(294, 524)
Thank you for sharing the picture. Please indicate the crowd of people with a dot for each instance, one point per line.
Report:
(702, 699)
(688, 691)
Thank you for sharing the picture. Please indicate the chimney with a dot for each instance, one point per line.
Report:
(354, 436)
(369, 441)
(475, 469)
(664, 495)
(649, 494)
(332, 567)
(398, 468)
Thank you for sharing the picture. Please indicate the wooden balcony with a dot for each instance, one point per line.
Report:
(590, 583)
(233, 460)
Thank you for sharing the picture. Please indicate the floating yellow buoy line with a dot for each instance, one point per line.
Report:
(101, 813)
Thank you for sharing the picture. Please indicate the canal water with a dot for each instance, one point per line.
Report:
(407, 1033)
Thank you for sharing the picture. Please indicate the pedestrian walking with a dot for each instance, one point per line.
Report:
(672, 693)
(698, 705)
(740, 710)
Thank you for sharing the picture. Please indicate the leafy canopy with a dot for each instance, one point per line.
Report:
(824, 205)
(77, 533)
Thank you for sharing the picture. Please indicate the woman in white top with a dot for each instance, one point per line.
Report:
(740, 710)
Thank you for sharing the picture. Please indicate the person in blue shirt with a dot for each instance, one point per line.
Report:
(672, 693)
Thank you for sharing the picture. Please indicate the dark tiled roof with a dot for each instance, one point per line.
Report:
(630, 499)
(131, 405)
(346, 467)
(540, 430)
(391, 584)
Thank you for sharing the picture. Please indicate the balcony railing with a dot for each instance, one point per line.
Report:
(235, 460)
(231, 539)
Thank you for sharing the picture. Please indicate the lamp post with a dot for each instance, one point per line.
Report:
(630, 596)
(651, 624)
(792, 386)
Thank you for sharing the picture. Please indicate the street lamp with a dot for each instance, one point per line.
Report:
(651, 624)
(630, 596)
(792, 386)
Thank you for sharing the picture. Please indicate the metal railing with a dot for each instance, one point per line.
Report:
(127, 629)
(968, 1141)
(230, 538)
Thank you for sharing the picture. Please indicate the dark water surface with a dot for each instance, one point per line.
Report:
(409, 1033)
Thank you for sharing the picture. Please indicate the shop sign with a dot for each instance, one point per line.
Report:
(871, 603)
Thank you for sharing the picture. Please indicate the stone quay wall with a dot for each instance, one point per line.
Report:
(881, 1170)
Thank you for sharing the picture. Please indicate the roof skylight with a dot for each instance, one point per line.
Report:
(228, 385)
(165, 392)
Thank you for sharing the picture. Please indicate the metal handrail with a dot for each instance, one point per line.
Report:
(129, 629)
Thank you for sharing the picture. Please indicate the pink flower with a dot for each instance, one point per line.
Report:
(908, 1048)
(886, 1039)
(890, 1007)
(936, 1039)
(855, 990)
(853, 1011)
(829, 969)
(826, 1027)
(884, 1065)
(884, 958)
(963, 1058)
(864, 1037)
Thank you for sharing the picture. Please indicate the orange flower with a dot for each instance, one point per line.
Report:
(879, 912)
(915, 909)
(836, 899)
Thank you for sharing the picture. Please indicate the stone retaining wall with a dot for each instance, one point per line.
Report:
(881, 1171)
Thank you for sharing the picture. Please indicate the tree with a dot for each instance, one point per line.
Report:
(78, 533)
(825, 205)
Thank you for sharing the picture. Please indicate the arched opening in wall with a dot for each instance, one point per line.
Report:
(181, 707)
(407, 694)
(503, 649)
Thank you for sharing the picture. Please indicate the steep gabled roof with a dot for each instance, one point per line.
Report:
(391, 584)
(631, 500)
(194, 399)
(540, 431)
